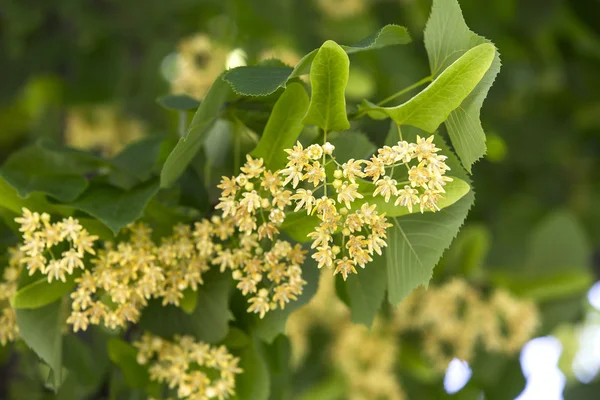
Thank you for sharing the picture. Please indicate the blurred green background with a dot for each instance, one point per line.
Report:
(88, 73)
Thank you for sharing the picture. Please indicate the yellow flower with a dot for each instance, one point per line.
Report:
(386, 187)
(323, 256)
(407, 197)
(228, 187)
(347, 193)
(352, 169)
(304, 199)
(345, 267)
(315, 174)
(260, 304)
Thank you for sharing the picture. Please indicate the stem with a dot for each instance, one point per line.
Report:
(399, 132)
(325, 180)
(405, 90)
(237, 148)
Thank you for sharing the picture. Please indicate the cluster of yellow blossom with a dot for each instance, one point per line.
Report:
(199, 63)
(451, 318)
(9, 331)
(41, 239)
(341, 9)
(426, 180)
(363, 231)
(365, 358)
(129, 273)
(101, 127)
(253, 204)
(195, 370)
(454, 317)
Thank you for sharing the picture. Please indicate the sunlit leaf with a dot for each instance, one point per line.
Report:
(328, 79)
(283, 128)
(447, 37)
(428, 109)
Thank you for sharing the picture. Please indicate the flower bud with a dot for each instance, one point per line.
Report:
(328, 148)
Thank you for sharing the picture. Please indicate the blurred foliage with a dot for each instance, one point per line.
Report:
(534, 229)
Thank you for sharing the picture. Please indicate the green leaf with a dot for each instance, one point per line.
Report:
(254, 382)
(41, 329)
(365, 291)
(189, 301)
(389, 35)
(218, 142)
(283, 127)
(139, 158)
(10, 200)
(558, 244)
(274, 322)
(80, 362)
(351, 144)
(297, 225)
(428, 109)
(40, 293)
(178, 102)
(48, 168)
(328, 78)
(417, 241)
(115, 207)
(125, 356)
(447, 37)
(187, 147)
(257, 80)
(209, 320)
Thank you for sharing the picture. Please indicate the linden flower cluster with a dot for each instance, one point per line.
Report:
(9, 331)
(128, 274)
(267, 268)
(454, 317)
(41, 239)
(365, 358)
(426, 180)
(195, 370)
(363, 231)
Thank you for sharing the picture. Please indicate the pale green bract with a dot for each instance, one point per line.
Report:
(447, 37)
(432, 106)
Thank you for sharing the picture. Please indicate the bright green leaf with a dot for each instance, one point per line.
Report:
(41, 293)
(447, 37)
(428, 109)
(365, 291)
(209, 320)
(41, 330)
(208, 112)
(283, 127)
(178, 102)
(189, 301)
(125, 356)
(328, 78)
(274, 322)
(10, 200)
(298, 225)
(115, 207)
(417, 241)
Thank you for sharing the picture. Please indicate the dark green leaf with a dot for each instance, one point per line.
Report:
(328, 78)
(447, 37)
(115, 207)
(47, 168)
(351, 144)
(257, 80)
(298, 225)
(365, 291)
(283, 128)
(208, 112)
(41, 330)
(178, 102)
(125, 356)
(254, 382)
(139, 158)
